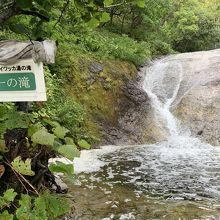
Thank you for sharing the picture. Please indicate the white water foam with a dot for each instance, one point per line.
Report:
(89, 160)
(154, 85)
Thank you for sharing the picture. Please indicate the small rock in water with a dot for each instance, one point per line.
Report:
(64, 188)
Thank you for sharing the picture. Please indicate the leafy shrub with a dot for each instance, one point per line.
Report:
(44, 207)
(159, 47)
(70, 113)
(104, 44)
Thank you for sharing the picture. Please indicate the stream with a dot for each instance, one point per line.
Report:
(176, 179)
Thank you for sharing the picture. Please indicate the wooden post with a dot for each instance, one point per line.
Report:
(23, 106)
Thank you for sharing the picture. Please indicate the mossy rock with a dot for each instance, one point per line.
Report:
(100, 93)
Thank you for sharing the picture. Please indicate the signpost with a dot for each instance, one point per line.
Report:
(22, 82)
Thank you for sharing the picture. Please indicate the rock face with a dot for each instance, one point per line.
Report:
(199, 110)
(191, 81)
(135, 123)
(198, 99)
(134, 110)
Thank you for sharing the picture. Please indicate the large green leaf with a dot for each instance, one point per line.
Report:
(60, 167)
(104, 17)
(108, 2)
(39, 211)
(84, 144)
(6, 216)
(60, 132)
(68, 151)
(69, 141)
(23, 167)
(9, 195)
(17, 120)
(43, 137)
(24, 211)
(7, 198)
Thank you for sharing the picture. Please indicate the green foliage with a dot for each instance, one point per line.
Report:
(60, 167)
(103, 44)
(68, 151)
(70, 114)
(55, 210)
(22, 167)
(184, 26)
(44, 207)
(134, 32)
(194, 27)
(44, 132)
(60, 131)
(6, 216)
(54, 138)
(7, 198)
(43, 137)
(41, 132)
(84, 144)
(10, 118)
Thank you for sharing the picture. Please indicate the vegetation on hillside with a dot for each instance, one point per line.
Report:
(121, 35)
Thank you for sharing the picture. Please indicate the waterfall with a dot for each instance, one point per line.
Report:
(161, 95)
(180, 176)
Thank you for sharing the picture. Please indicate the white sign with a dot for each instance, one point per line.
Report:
(22, 81)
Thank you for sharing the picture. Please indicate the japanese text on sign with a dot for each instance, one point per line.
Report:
(17, 81)
(15, 68)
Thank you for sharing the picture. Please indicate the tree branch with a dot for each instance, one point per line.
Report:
(35, 13)
(62, 12)
(13, 10)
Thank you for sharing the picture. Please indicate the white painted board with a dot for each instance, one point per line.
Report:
(24, 66)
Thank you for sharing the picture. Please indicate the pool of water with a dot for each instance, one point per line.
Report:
(174, 179)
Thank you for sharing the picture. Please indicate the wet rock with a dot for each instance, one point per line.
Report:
(197, 103)
(61, 184)
(199, 111)
(135, 93)
(95, 67)
(135, 124)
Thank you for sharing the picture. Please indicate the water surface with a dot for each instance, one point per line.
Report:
(161, 181)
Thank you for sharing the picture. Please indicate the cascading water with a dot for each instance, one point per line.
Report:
(153, 80)
(178, 178)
